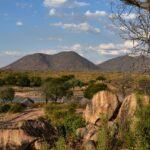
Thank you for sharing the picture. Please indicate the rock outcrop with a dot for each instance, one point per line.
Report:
(103, 104)
(30, 132)
(129, 107)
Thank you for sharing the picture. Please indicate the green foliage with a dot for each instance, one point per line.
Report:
(101, 78)
(106, 140)
(45, 146)
(56, 89)
(23, 80)
(16, 108)
(4, 108)
(11, 80)
(11, 107)
(60, 144)
(2, 82)
(35, 81)
(7, 94)
(73, 122)
(93, 89)
(143, 127)
(144, 85)
(63, 116)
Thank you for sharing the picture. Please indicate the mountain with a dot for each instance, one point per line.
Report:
(63, 61)
(126, 64)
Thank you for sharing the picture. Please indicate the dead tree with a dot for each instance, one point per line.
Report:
(138, 3)
(134, 24)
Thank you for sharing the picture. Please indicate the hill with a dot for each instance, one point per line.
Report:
(126, 64)
(63, 61)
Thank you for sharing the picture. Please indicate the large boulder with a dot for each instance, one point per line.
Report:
(103, 104)
(29, 132)
(129, 107)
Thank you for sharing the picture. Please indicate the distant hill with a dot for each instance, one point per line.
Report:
(126, 64)
(63, 61)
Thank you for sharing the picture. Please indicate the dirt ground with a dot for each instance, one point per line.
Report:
(28, 114)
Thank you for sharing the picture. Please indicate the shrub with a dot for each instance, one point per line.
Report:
(60, 144)
(4, 108)
(7, 94)
(144, 85)
(11, 80)
(101, 78)
(64, 118)
(2, 82)
(45, 146)
(16, 107)
(143, 128)
(23, 80)
(93, 89)
(73, 122)
(36, 81)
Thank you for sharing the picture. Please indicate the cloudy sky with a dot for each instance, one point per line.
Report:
(51, 26)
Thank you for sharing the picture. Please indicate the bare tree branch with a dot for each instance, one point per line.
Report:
(138, 3)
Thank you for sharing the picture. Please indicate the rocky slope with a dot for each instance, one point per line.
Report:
(64, 61)
(106, 105)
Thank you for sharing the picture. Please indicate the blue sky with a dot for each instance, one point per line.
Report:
(51, 26)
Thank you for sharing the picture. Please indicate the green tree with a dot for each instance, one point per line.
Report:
(56, 89)
(93, 89)
(36, 81)
(7, 94)
(23, 80)
(11, 80)
(2, 82)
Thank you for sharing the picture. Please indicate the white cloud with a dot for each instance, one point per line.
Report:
(107, 46)
(10, 53)
(115, 49)
(54, 3)
(77, 27)
(95, 14)
(19, 23)
(65, 3)
(52, 12)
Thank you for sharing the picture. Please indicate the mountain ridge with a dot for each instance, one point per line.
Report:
(63, 61)
(72, 61)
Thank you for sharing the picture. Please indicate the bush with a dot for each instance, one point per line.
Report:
(101, 78)
(23, 80)
(93, 89)
(143, 128)
(11, 80)
(144, 85)
(7, 94)
(64, 118)
(2, 82)
(73, 122)
(60, 144)
(16, 107)
(36, 81)
(4, 108)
